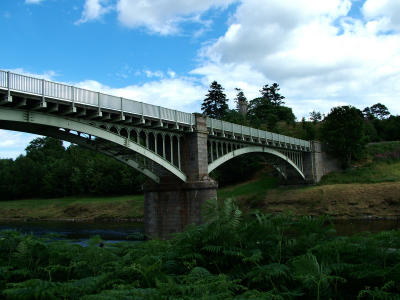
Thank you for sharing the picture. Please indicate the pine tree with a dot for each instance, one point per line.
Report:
(241, 102)
(215, 105)
(271, 94)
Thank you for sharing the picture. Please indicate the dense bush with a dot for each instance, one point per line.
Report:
(264, 257)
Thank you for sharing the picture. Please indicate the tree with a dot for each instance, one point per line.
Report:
(271, 94)
(263, 113)
(380, 111)
(343, 130)
(315, 116)
(215, 105)
(241, 102)
(376, 111)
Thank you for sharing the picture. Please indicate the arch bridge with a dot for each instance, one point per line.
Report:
(174, 149)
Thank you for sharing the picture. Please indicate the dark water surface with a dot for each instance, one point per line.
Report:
(114, 232)
(79, 232)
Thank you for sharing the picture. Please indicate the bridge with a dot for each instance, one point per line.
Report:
(175, 150)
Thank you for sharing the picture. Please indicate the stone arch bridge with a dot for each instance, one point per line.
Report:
(174, 149)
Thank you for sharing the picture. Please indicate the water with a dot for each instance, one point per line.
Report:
(116, 232)
(79, 232)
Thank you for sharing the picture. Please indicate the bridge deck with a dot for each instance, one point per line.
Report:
(23, 85)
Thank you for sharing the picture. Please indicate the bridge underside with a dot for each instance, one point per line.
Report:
(101, 137)
(289, 164)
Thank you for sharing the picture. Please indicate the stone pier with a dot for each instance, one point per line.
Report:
(172, 205)
(318, 163)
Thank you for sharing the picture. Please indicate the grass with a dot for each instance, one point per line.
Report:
(250, 194)
(84, 208)
(383, 147)
(257, 187)
(368, 186)
(373, 172)
(382, 164)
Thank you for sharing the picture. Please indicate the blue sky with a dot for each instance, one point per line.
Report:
(322, 53)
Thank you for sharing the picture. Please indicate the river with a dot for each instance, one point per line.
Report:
(80, 232)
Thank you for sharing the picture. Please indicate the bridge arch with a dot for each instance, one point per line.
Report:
(253, 149)
(49, 125)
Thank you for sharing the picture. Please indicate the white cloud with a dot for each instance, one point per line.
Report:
(386, 12)
(163, 16)
(33, 1)
(13, 143)
(93, 9)
(48, 75)
(177, 93)
(319, 55)
(150, 74)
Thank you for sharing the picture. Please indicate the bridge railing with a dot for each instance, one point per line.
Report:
(71, 94)
(239, 131)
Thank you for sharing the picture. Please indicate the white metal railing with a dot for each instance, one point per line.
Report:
(44, 88)
(252, 133)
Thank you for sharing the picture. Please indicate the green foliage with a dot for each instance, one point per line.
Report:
(215, 104)
(264, 114)
(315, 116)
(50, 170)
(376, 111)
(343, 131)
(231, 256)
(383, 165)
(271, 94)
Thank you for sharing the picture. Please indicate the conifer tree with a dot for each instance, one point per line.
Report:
(215, 104)
(241, 102)
(271, 94)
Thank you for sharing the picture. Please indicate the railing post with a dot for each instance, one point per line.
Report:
(98, 102)
(122, 110)
(9, 98)
(8, 85)
(43, 104)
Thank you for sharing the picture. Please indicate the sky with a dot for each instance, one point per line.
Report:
(167, 52)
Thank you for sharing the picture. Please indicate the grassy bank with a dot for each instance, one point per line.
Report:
(370, 188)
(79, 208)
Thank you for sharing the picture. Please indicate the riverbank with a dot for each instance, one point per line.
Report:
(370, 189)
(343, 201)
(74, 209)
